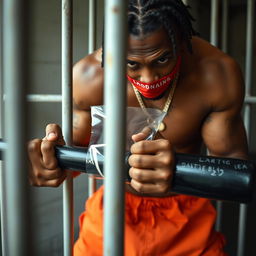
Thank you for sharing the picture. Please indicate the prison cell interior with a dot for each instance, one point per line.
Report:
(45, 69)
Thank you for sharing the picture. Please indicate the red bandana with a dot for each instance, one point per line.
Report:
(156, 88)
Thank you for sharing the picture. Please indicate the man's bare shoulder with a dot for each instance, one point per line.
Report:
(88, 81)
(220, 76)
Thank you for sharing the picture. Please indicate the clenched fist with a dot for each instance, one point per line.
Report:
(44, 170)
(152, 165)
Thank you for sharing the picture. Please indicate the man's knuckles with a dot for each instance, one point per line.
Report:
(136, 174)
(47, 146)
(40, 179)
(164, 144)
(51, 164)
(138, 186)
(165, 160)
(146, 146)
(34, 146)
(135, 160)
(139, 147)
(165, 176)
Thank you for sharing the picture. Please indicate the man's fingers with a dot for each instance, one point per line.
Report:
(54, 174)
(150, 147)
(44, 169)
(53, 133)
(149, 161)
(48, 155)
(149, 188)
(146, 131)
(34, 153)
(49, 183)
(149, 175)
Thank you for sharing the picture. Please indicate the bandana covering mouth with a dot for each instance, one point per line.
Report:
(156, 88)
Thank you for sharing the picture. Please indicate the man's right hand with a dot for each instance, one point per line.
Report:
(44, 170)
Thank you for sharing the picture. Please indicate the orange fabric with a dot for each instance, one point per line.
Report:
(172, 226)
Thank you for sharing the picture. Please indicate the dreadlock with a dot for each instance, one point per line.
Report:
(146, 16)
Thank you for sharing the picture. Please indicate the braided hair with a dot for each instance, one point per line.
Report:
(147, 16)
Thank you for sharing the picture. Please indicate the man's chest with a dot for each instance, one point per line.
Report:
(184, 119)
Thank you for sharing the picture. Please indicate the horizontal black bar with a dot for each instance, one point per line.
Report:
(203, 176)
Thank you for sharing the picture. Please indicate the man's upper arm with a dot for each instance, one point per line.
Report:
(81, 127)
(224, 135)
(223, 130)
(87, 92)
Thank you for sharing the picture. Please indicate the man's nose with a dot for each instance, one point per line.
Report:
(148, 76)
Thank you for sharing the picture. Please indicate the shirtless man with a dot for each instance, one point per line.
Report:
(205, 109)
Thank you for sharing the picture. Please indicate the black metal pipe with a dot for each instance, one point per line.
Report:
(204, 176)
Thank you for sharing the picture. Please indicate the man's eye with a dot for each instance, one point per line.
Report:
(132, 64)
(163, 60)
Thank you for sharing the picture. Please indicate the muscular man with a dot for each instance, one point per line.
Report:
(165, 59)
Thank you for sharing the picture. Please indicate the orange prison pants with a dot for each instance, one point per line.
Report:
(171, 226)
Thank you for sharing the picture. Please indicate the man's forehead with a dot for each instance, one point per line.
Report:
(151, 42)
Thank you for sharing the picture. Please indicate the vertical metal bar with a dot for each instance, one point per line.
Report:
(249, 59)
(214, 41)
(66, 40)
(92, 26)
(114, 95)
(242, 230)
(219, 204)
(18, 237)
(2, 188)
(218, 223)
(225, 14)
(247, 112)
(214, 22)
(92, 182)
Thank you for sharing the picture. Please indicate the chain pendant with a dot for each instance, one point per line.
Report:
(161, 127)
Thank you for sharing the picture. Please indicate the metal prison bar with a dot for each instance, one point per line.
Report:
(224, 33)
(66, 74)
(247, 112)
(115, 127)
(214, 32)
(15, 210)
(248, 100)
(92, 182)
(1, 129)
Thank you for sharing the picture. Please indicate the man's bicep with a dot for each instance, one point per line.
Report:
(81, 127)
(224, 135)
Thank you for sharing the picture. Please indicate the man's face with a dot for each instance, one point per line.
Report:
(150, 57)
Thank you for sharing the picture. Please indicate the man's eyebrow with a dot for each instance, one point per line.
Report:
(165, 54)
(131, 61)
